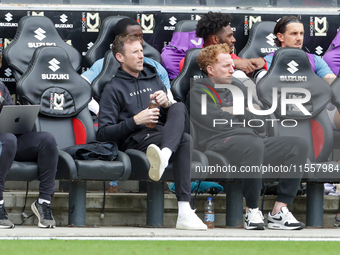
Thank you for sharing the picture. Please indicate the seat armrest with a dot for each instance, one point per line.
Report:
(200, 157)
(123, 157)
(66, 169)
(139, 165)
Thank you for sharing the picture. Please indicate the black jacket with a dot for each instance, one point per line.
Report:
(206, 133)
(124, 97)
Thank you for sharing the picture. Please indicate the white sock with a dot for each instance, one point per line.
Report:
(1, 202)
(41, 201)
(166, 153)
(183, 208)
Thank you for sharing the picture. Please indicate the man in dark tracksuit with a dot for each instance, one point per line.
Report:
(125, 118)
(34, 146)
(242, 144)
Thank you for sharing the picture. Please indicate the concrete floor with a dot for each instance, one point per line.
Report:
(139, 233)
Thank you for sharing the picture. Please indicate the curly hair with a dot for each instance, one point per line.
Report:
(281, 26)
(212, 23)
(208, 55)
(121, 26)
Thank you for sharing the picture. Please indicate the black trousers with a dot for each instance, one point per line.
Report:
(246, 150)
(172, 136)
(35, 146)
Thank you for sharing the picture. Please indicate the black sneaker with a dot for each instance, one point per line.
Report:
(4, 222)
(44, 213)
(284, 219)
(254, 219)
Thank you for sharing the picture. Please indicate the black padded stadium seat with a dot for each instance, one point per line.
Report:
(291, 69)
(109, 69)
(181, 85)
(104, 39)
(260, 41)
(34, 32)
(63, 95)
(186, 26)
(111, 65)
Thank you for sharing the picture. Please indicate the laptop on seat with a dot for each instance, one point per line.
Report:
(18, 119)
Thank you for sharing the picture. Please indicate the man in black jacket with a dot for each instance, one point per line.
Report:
(34, 146)
(240, 143)
(124, 118)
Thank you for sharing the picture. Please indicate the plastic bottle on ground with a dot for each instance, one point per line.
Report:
(209, 215)
(112, 187)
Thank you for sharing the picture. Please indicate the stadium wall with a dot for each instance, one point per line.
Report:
(79, 25)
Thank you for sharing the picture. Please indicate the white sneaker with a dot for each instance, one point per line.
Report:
(254, 219)
(190, 222)
(157, 162)
(284, 219)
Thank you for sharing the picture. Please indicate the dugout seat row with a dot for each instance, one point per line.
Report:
(74, 116)
(47, 76)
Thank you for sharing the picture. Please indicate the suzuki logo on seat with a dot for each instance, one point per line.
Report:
(54, 65)
(8, 72)
(292, 67)
(270, 39)
(172, 21)
(63, 18)
(8, 17)
(89, 45)
(319, 50)
(40, 34)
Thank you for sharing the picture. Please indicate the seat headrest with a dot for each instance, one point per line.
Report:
(52, 82)
(151, 52)
(104, 39)
(109, 69)
(260, 41)
(186, 26)
(291, 69)
(181, 85)
(34, 32)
